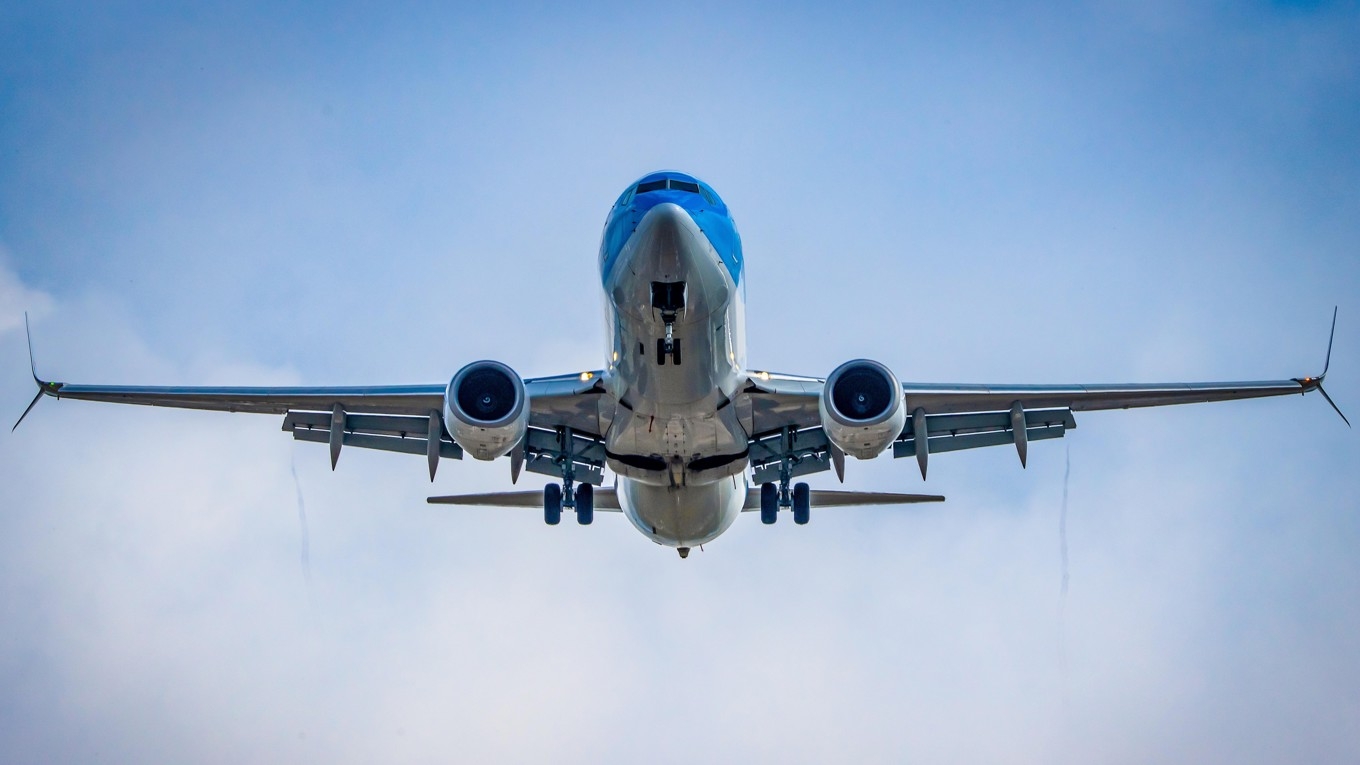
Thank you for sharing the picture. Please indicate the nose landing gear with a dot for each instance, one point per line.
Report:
(668, 298)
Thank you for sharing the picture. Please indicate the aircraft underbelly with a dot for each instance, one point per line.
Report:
(683, 516)
(675, 439)
(674, 408)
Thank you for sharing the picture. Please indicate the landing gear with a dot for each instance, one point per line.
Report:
(585, 504)
(668, 347)
(774, 496)
(668, 299)
(769, 503)
(552, 504)
(684, 552)
(802, 503)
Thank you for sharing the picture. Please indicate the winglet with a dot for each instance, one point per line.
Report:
(33, 367)
(1335, 408)
(1330, 337)
(1309, 383)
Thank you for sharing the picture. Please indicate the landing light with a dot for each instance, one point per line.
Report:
(586, 376)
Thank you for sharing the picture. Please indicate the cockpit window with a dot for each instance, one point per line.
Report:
(673, 184)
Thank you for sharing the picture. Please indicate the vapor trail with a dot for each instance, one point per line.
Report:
(302, 521)
(1062, 516)
(1062, 596)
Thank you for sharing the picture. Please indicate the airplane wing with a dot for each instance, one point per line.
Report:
(397, 418)
(947, 417)
(607, 499)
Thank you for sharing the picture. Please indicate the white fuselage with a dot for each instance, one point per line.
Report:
(675, 439)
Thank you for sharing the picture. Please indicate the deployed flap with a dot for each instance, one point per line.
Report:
(547, 451)
(952, 432)
(808, 451)
(407, 434)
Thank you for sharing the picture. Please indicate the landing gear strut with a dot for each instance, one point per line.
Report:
(773, 497)
(669, 299)
(567, 495)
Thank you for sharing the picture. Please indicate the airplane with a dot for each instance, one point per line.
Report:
(693, 436)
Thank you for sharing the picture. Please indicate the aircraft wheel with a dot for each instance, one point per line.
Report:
(769, 503)
(802, 503)
(585, 504)
(552, 504)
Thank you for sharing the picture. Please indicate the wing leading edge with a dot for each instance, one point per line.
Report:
(951, 416)
(396, 418)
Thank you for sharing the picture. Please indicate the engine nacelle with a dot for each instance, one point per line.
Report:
(486, 409)
(862, 407)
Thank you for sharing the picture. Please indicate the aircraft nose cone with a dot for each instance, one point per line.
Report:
(667, 222)
(666, 213)
(668, 242)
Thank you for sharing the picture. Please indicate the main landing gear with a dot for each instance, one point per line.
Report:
(773, 497)
(582, 500)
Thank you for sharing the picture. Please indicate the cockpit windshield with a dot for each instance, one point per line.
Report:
(685, 184)
(674, 184)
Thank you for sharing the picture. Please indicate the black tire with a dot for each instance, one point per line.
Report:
(552, 504)
(802, 503)
(585, 504)
(675, 351)
(769, 503)
(661, 352)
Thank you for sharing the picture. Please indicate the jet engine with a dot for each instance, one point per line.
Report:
(862, 408)
(486, 409)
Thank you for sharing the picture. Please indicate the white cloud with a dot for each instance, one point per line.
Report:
(16, 298)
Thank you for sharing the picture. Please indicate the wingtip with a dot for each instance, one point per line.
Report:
(1335, 408)
(31, 404)
(1327, 363)
(43, 385)
(32, 365)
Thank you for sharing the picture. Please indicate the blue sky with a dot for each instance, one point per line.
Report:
(979, 193)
